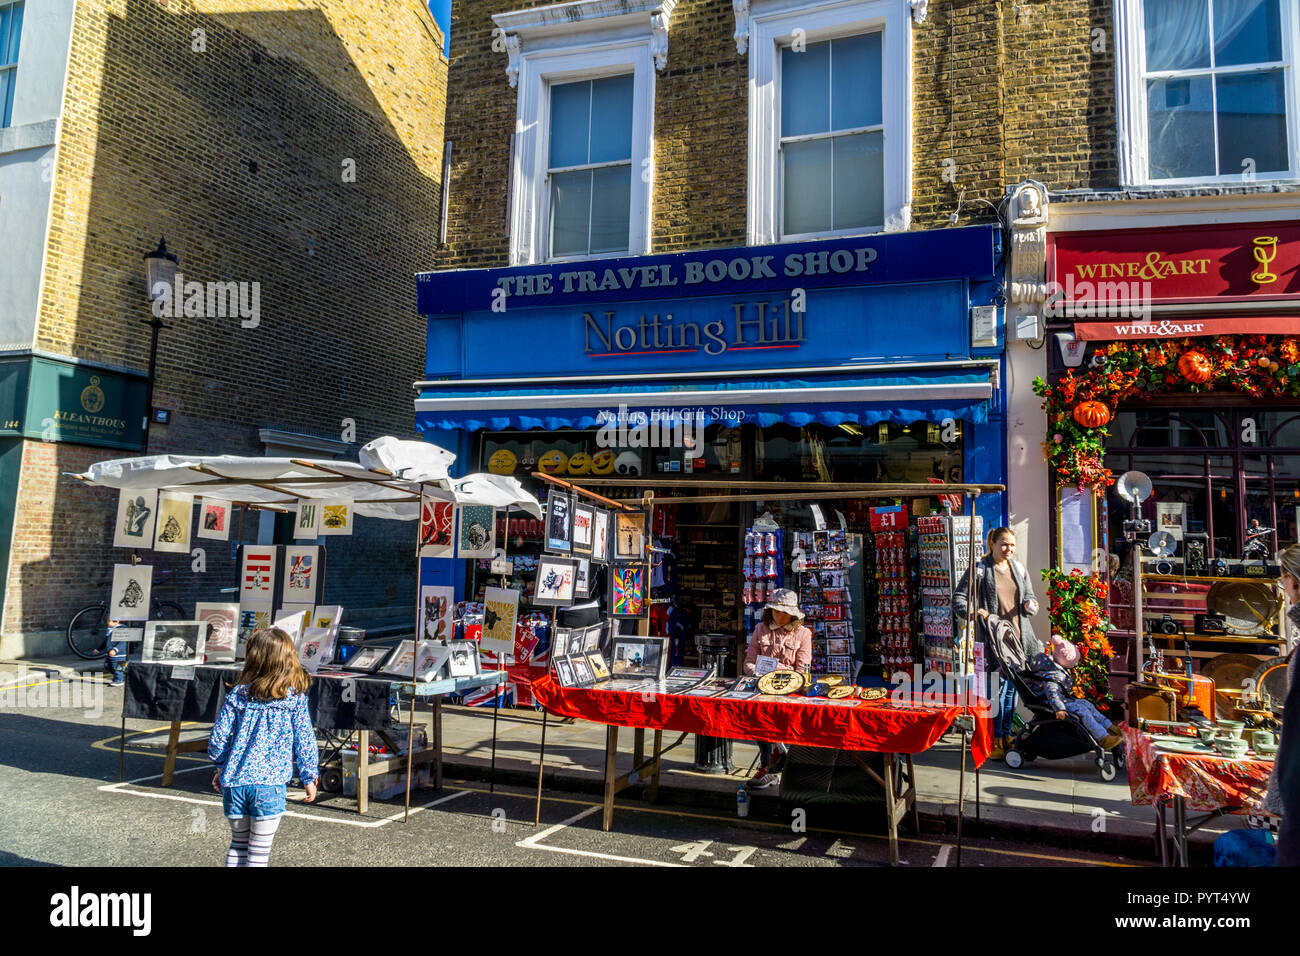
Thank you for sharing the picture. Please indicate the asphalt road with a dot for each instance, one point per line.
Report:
(61, 803)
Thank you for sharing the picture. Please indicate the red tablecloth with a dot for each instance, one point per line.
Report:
(1205, 782)
(863, 725)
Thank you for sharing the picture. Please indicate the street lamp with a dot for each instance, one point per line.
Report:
(160, 273)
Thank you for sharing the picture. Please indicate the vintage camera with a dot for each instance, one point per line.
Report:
(1166, 625)
(1219, 568)
(1195, 553)
(1164, 566)
(1209, 624)
(1135, 527)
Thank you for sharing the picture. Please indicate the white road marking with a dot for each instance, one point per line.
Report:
(942, 859)
(534, 843)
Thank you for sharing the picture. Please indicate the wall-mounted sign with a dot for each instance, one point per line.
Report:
(745, 326)
(60, 402)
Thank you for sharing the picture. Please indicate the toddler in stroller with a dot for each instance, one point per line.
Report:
(1062, 725)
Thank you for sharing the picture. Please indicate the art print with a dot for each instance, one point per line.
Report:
(401, 661)
(336, 517)
(500, 613)
(315, 648)
(214, 520)
(629, 535)
(600, 536)
(559, 523)
(478, 531)
(463, 658)
(257, 573)
(437, 608)
(582, 582)
(556, 581)
(599, 669)
(129, 598)
(564, 671)
(301, 574)
(584, 518)
(307, 524)
(254, 617)
(172, 530)
(293, 619)
(223, 629)
(438, 529)
(591, 638)
(640, 657)
(136, 514)
(581, 670)
(560, 644)
(328, 616)
(368, 659)
(839, 645)
(627, 590)
(174, 642)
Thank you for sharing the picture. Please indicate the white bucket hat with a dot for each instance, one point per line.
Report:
(787, 602)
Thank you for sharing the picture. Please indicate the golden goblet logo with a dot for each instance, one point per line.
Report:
(1265, 252)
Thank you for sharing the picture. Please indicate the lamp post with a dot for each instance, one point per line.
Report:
(160, 274)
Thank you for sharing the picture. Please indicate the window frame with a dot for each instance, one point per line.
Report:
(6, 114)
(1131, 120)
(530, 196)
(771, 29)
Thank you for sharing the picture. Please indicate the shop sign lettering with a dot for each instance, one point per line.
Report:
(750, 325)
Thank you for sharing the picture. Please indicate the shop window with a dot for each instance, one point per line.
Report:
(829, 136)
(11, 27)
(1206, 90)
(850, 452)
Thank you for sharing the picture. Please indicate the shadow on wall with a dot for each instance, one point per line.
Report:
(243, 155)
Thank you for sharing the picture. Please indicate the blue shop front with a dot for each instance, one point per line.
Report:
(811, 364)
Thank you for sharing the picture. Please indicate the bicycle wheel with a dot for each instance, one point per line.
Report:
(168, 611)
(87, 637)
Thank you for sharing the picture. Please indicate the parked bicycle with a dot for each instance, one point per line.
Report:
(87, 631)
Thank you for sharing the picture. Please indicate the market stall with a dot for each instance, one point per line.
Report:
(282, 585)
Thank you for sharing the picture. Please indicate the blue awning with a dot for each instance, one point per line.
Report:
(831, 399)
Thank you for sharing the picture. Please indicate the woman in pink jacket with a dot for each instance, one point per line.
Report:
(781, 636)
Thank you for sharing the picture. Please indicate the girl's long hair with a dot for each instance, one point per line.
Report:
(271, 666)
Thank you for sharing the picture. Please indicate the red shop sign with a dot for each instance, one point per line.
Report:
(1186, 264)
(891, 518)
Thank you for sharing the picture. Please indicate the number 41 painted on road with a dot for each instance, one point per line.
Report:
(693, 851)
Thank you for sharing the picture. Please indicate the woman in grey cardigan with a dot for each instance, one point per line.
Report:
(1002, 588)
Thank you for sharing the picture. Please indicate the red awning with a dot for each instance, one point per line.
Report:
(1186, 327)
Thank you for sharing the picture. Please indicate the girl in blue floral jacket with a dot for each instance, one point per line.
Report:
(263, 730)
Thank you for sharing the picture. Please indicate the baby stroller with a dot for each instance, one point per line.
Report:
(1044, 735)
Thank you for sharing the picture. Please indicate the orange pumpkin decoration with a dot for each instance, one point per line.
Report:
(1195, 367)
(1091, 414)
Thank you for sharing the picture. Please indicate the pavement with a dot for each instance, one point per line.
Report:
(1061, 804)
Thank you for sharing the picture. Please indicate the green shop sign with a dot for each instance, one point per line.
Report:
(57, 401)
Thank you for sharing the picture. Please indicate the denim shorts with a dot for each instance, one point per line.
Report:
(255, 800)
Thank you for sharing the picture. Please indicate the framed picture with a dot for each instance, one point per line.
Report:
(560, 643)
(129, 599)
(581, 670)
(640, 657)
(172, 530)
(629, 535)
(427, 659)
(214, 519)
(559, 523)
(500, 615)
(591, 638)
(223, 630)
(463, 659)
(584, 519)
(136, 515)
(556, 581)
(600, 536)
(400, 661)
(174, 642)
(368, 659)
(328, 616)
(627, 590)
(564, 671)
(301, 574)
(839, 645)
(478, 532)
(316, 648)
(437, 607)
(438, 529)
(582, 584)
(599, 669)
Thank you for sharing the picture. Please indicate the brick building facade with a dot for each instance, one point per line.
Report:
(298, 147)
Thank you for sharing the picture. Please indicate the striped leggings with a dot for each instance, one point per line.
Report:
(250, 840)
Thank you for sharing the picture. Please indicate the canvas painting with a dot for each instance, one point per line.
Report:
(315, 648)
(336, 517)
(368, 659)
(438, 529)
(478, 531)
(223, 629)
(257, 574)
(301, 574)
(328, 616)
(129, 600)
(136, 511)
(437, 607)
(174, 642)
(307, 524)
(627, 590)
(214, 520)
(463, 659)
(172, 529)
(500, 614)
(559, 523)
(556, 580)
(584, 527)
(600, 535)
(582, 583)
(629, 535)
